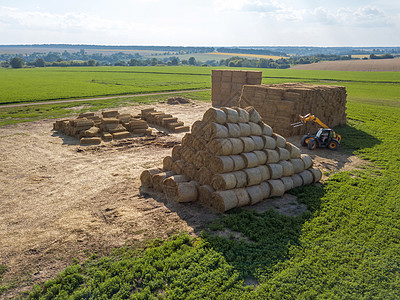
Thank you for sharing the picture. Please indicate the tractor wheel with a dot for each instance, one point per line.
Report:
(312, 144)
(333, 145)
(303, 140)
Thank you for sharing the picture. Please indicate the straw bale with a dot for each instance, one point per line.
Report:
(255, 129)
(280, 140)
(233, 130)
(265, 189)
(109, 121)
(238, 162)
(91, 132)
(288, 183)
(254, 116)
(275, 170)
(107, 136)
(110, 114)
(146, 177)
(250, 159)
(261, 157)
(215, 130)
(237, 145)
(173, 180)
(294, 151)
(298, 165)
(187, 192)
(205, 194)
(243, 115)
(277, 188)
(121, 135)
(283, 153)
(215, 115)
(266, 129)
(272, 156)
(258, 142)
(168, 163)
(187, 140)
(224, 181)
(177, 167)
(307, 177)
(176, 152)
(158, 178)
(245, 129)
(248, 144)
(297, 180)
(224, 200)
(198, 128)
(232, 116)
(255, 193)
(190, 170)
(242, 196)
(265, 173)
(241, 178)
(221, 164)
(254, 176)
(269, 142)
(307, 161)
(317, 174)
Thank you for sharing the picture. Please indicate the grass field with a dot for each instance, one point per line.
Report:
(346, 247)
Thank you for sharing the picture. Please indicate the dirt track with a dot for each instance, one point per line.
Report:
(61, 201)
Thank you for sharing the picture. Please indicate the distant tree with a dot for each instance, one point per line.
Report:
(91, 62)
(184, 62)
(17, 62)
(39, 62)
(192, 61)
(174, 61)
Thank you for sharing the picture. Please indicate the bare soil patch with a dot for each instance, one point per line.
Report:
(61, 201)
(370, 65)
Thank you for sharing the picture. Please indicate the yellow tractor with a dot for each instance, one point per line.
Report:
(325, 137)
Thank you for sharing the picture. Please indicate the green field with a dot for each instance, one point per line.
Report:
(346, 247)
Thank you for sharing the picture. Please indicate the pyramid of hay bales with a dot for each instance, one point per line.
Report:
(231, 159)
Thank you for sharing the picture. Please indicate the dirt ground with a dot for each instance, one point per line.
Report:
(370, 65)
(61, 201)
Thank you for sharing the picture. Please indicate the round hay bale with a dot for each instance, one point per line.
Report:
(255, 129)
(176, 152)
(220, 146)
(177, 167)
(297, 180)
(243, 116)
(237, 145)
(283, 153)
(221, 182)
(269, 142)
(168, 163)
(288, 169)
(215, 130)
(258, 142)
(265, 188)
(275, 170)
(254, 116)
(205, 175)
(242, 196)
(173, 180)
(198, 159)
(188, 154)
(250, 159)
(255, 193)
(233, 130)
(307, 177)
(214, 115)
(187, 140)
(272, 156)
(253, 176)
(294, 151)
(261, 157)
(146, 177)
(232, 116)
(159, 178)
(221, 164)
(224, 200)
(265, 174)
(248, 144)
(199, 144)
(241, 179)
(307, 161)
(298, 165)
(238, 162)
(317, 174)
(190, 170)
(187, 192)
(245, 129)
(198, 128)
(266, 129)
(205, 194)
(288, 183)
(280, 140)
(277, 188)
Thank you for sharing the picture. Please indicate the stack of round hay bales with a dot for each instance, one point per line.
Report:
(231, 159)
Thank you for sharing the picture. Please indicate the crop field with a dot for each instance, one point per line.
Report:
(248, 55)
(345, 246)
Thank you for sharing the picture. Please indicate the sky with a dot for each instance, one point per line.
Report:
(202, 23)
